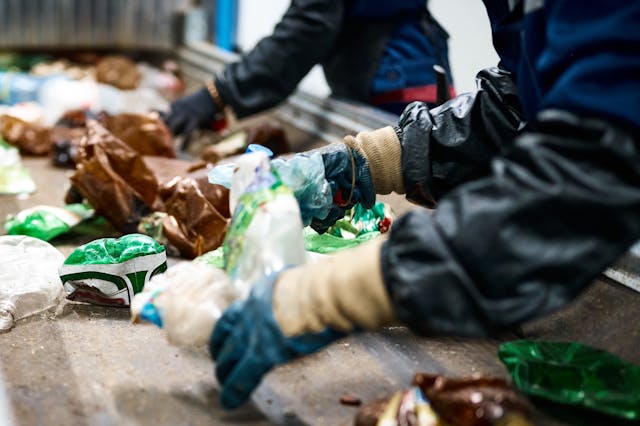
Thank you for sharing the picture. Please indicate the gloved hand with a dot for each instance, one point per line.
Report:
(297, 313)
(185, 301)
(191, 112)
(358, 169)
(247, 342)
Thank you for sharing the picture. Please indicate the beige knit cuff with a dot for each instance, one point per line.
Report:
(383, 151)
(344, 291)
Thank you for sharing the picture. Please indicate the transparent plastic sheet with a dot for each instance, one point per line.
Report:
(29, 281)
(303, 173)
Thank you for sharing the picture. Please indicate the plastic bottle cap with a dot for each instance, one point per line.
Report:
(254, 147)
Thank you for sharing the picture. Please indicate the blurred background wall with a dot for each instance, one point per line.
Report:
(465, 20)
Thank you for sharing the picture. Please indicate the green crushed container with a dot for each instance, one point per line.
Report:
(110, 271)
(575, 374)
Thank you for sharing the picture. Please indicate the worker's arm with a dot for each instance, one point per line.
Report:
(270, 72)
(429, 151)
(558, 207)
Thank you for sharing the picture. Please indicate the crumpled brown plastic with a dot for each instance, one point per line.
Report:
(198, 215)
(468, 401)
(266, 133)
(124, 186)
(146, 133)
(118, 71)
(30, 138)
(113, 177)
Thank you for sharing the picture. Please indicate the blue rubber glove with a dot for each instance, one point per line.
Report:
(195, 111)
(339, 161)
(247, 342)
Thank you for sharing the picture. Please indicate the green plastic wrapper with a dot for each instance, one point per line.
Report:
(110, 271)
(213, 258)
(328, 244)
(46, 222)
(358, 225)
(14, 177)
(575, 374)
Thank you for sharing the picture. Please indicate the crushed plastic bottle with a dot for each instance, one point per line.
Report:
(265, 233)
(29, 281)
(575, 374)
(264, 237)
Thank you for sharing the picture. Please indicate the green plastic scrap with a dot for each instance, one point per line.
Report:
(327, 243)
(110, 271)
(359, 221)
(575, 374)
(46, 222)
(357, 226)
(112, 251)
(213, 258)
(14, 177)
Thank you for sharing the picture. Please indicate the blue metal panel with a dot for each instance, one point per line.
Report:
(226, 24)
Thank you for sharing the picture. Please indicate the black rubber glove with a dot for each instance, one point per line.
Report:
(340, 175)
(195, 111)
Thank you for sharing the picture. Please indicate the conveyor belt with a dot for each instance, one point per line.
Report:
(89, 365)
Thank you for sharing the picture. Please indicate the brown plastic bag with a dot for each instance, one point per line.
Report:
(124, 186)
(146, 133)
(113, 177)
(30, 138)
(198, 214)
(118, 71)
(471, 401)
(468, 401)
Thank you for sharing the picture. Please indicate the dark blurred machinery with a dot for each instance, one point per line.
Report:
(70, 24)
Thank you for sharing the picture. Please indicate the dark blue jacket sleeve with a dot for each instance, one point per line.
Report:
(590, 61)
(523, 224)
(454, 143)
(271, 71)
(559, 205)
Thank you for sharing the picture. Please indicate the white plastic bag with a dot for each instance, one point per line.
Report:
(29, 280)
(186, 301)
